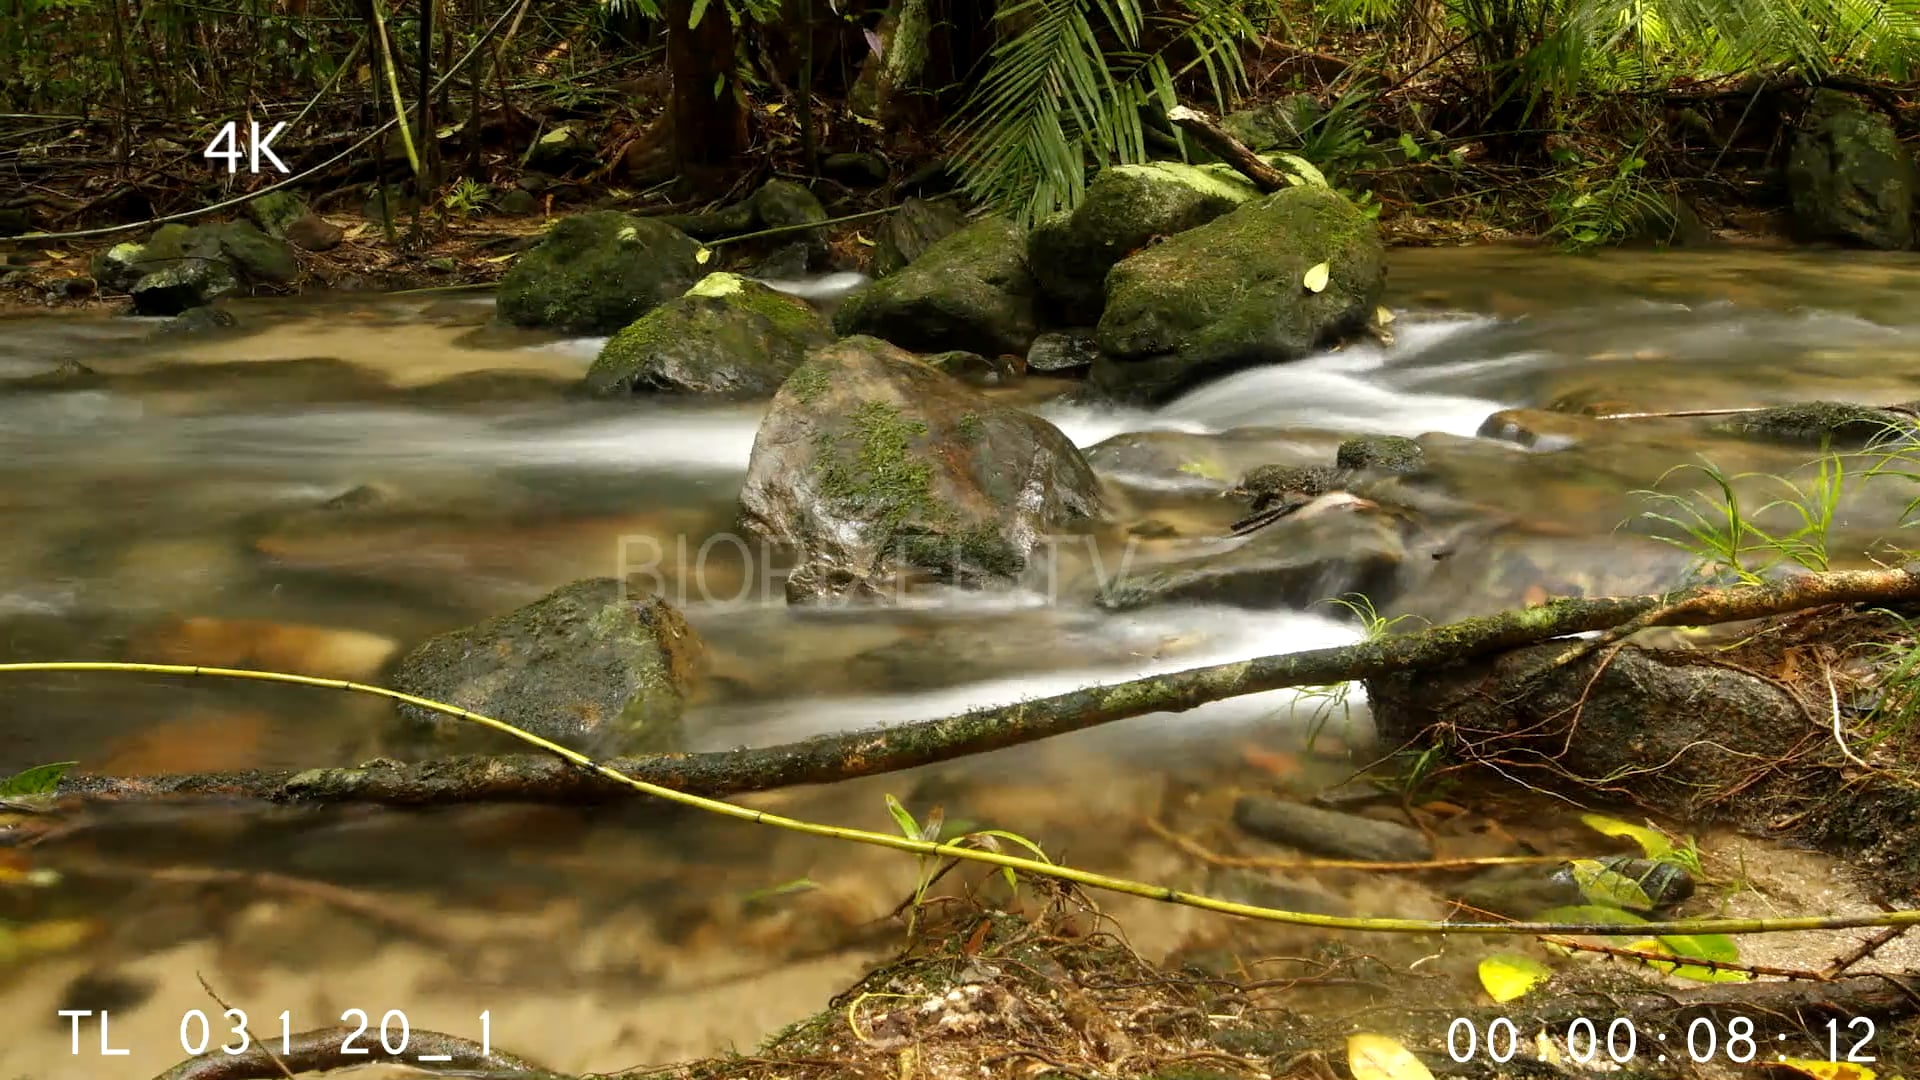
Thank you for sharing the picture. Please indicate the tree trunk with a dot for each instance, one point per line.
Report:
(709, 111)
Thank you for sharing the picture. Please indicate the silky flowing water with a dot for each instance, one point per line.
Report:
(170, 513)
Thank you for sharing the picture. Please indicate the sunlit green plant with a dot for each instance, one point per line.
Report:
(929, 830)
(1721, 528)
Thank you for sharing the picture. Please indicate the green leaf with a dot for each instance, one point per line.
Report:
(1316, 276)
(699, 12)
(1409, 147)
(1655, 845)
(1609, 888)
(1509, 975)
(909, 827)
(39, 780)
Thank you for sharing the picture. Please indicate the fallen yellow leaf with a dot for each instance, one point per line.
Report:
(1381, 1057)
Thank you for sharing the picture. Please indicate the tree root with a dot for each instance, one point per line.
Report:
(872, 752)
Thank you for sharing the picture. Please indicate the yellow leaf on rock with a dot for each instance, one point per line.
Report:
(1650, 842)
(703, 255)
(1509, 975)
(1316, 277)
(1828, 1070)
(1380, 1057)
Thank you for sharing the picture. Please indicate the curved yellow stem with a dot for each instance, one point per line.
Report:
(1036, 867)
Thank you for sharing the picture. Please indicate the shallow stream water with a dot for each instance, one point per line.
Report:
(170, 514)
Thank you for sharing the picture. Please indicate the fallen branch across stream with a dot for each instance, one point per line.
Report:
(850, 755)
(1201, 684)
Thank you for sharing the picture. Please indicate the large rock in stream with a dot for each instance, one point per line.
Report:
(1850, 178)
(1232, 293)
(1126, 208)
(595, 273)
(880, 468)
(588, 666)
(971, 291)
(726, 337)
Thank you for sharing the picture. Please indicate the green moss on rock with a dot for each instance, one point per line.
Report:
(587, 666)
(1125, 208)
(1849, 176)
(1388, 453)
(596, 273)
(971, 290)
(1813, 423)
(726, 337)
(1229, 294)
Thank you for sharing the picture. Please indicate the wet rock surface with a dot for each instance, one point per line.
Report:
(874, 465)
(1328, 832)
(596, 273)
(1230, 294)
(1849, 176)
(970, 290)
(588, 666)
(725, 337)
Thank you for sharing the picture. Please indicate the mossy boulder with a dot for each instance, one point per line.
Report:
(276, 211)
(596, 273)
(1125, 209)
(727, 336)
(883, 471)
(908, 232)
(1387, 453)
(1840, 424)
(970, 291)
(118, 267)
(256, 258)
(1849, 177)
(588, 666)
(1231, 294)
(183, 284)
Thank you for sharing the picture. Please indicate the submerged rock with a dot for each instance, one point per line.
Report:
(727, 336)
(1063, 351)
(974, 369)
(969, 291)
(1126, 207)
(1186, 461)
(1328, 832)
(1232, 293)
(1849, 176)
(878, 467)
(1387, 453)
(1838, 423)
(188, 283)
(596, 273)
(1330, 548)
(588, 666)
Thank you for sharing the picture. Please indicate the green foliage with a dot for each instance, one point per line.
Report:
(1720, 526)
(929, 831)
(466, 197)
(1055, 98)
(39, 780)
(1604, 206)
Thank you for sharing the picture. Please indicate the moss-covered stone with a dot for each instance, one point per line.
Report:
(727, 336)
(183, 284)
(255, 257)
(970, 291)
(587, 666)
(596, 273)
(881, 469)
(118, 267)
(1387, 453)
(1812, 423)
(1272, 485)
(1126, 207)
(276, 211)
(1849, 176)
(1230, 294)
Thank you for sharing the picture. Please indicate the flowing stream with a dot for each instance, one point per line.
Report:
(168, 511)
